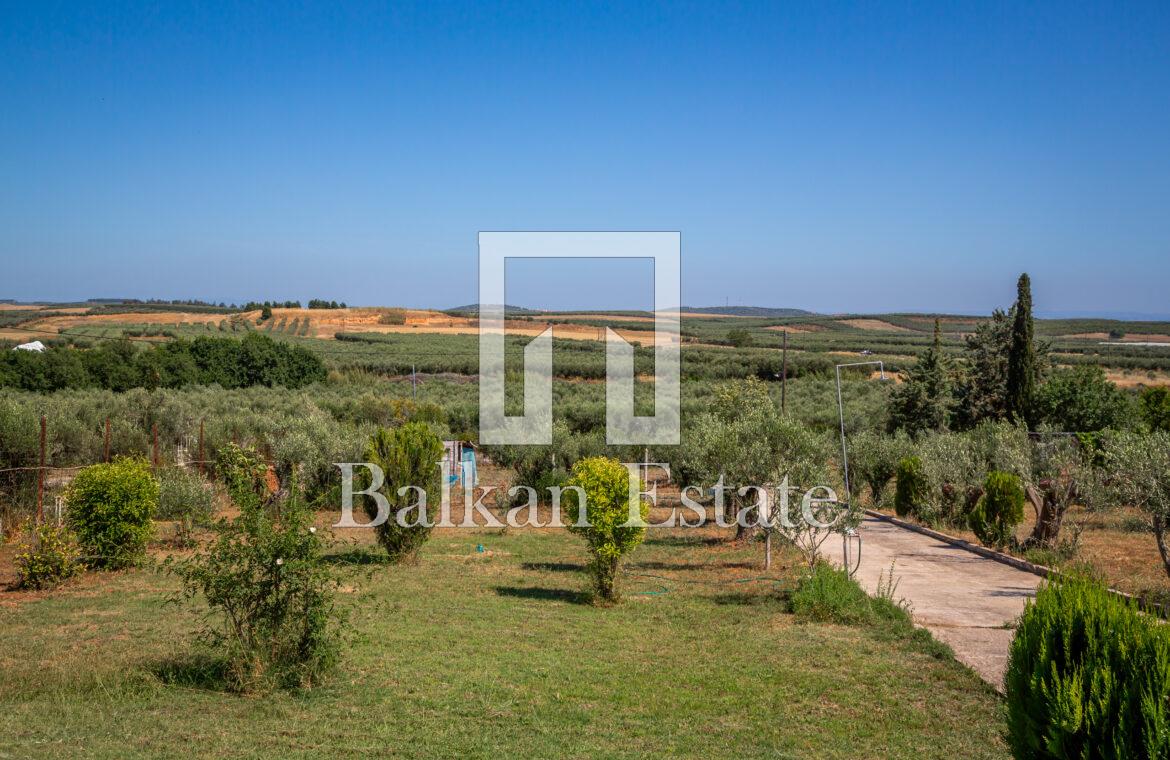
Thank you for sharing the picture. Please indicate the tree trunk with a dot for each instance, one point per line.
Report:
(1160, 537)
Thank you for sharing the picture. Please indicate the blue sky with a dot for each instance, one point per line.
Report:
(835, 157)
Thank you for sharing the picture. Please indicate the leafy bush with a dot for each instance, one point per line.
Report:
(277, 624)
(999, 510)
(187, 499)
(911, 497)
(874, 458)
(110, 507)
(1155, 407)
(51, 560)
(1081, 400)
(605, 484)
(1088, 677)
(408, 456)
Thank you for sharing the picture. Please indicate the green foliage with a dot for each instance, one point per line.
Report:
(739, 338)
(1022, 367)
(923, 402)
(408, 456)
(265, 313)
(825, 594)
(911, 497)
(1155, 407)
(1081, 400)
(609, 525)
(1139, 467)
(1088, 677)
(110, 507)
(276, 624)
(999, 510)
(242, 471)
(121, 365)
(185, 498)
(51, 560)
(874, 457)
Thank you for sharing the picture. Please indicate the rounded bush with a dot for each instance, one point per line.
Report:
(999, 510)
(409, 456)
(110, 507)
(607, 528)
(912, 494)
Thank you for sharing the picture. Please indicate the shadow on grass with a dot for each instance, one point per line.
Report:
(693, 565)
(361, 557)
(544, 594)
(685, 541)
(554, 567)
(756, 599)
(197, 671)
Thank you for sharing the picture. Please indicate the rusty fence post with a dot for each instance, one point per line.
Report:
(200, 447)
(107, 439)
(154, 452)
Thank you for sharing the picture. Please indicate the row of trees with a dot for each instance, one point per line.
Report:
(1004, 373)
(122, 365)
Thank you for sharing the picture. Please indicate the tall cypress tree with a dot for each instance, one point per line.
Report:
(1022, 364)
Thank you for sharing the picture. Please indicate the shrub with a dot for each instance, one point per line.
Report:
(408, 456)
(605, 484)
(51, 560)
(243, 472)
(874, 458)
(999, 510)
(110, 508)
(1088, 676)
(825, 594)
(185, 498)
(1155, 407)
(277, 622)
(911, 495)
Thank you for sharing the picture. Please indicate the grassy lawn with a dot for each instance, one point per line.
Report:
(495, 654)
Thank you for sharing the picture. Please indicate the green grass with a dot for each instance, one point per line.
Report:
(499, 655)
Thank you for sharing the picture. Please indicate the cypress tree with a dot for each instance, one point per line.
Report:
(1022, 366)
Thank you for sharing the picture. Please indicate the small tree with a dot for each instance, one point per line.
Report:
(1081, 400)
(1155, 407)
(999, 510)
(911, 496)
(1139, 475)
(923, 402)
(605, 484)
(409, 456)
(264, 575)
(874, 458)
(110, 507)
(739, 338)
(1022, 367)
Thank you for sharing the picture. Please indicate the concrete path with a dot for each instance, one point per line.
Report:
(965, 600)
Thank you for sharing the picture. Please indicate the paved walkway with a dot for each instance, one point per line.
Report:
(963, 599)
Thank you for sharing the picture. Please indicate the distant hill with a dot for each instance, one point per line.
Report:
(731, 311)
(748, 311)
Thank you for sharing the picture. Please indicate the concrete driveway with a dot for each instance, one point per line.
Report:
(967, 601)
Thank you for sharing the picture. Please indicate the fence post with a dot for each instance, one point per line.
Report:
(200, 447)
(107, 440)
(41, 477)
(154, 453)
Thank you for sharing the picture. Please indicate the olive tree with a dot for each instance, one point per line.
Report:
(1139, 475)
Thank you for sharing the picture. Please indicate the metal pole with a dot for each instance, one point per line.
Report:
(41, 476)
(784, 376)
(841, 417)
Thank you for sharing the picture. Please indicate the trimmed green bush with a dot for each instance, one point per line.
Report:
(606, 486)
(912, 494)
(1088, 677)
(110, 507)
(51, 560)
(999, 510)
(827, 595)
(408, 456)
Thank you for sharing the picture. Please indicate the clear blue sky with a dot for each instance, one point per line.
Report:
(835, 157)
